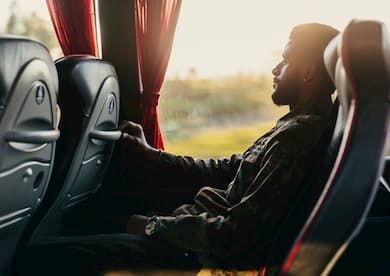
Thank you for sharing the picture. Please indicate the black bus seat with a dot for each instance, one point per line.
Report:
(28, 134)
(89, 100)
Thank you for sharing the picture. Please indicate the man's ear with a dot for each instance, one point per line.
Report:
(309, 72)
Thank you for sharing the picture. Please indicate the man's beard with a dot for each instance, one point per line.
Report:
(275, 99)
(282, 96)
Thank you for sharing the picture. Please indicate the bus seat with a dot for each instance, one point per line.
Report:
(359, 63)
(28, 134)
(89, 100)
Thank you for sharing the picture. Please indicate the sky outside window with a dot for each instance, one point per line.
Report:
(223, 37)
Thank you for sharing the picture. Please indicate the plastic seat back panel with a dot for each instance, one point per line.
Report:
(28, 95)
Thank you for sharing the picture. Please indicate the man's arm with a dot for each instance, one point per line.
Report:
(174, 170)
(254, 219)
(186, 170)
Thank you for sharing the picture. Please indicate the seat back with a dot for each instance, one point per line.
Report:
(89, 100)
(358, 62)
(28, 132)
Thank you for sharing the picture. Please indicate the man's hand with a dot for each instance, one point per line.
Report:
(136, 224)
(133, 137)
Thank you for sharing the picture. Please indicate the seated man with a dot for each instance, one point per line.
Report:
(233, 222)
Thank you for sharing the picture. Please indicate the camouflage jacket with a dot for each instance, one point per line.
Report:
(243, 200)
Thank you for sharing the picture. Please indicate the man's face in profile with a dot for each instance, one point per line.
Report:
(287, 77)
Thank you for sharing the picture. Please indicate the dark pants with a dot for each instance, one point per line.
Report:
(98, 254)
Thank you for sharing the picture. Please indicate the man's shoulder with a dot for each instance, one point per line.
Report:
(303, 123)
(304, 129)
(311, 120)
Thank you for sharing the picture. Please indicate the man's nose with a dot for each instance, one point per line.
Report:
(276, 70)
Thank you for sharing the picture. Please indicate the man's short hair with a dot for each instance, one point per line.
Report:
(312, 39)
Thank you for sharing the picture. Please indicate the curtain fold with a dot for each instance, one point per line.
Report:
(75, 26)
(155, 28)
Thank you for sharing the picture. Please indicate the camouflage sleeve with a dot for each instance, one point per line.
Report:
(255, 217)
(176, 170)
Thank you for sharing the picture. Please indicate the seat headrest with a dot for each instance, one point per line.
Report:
(364, 59)
(85, 74)
(348, 56)
(15, 53)
(331, 56)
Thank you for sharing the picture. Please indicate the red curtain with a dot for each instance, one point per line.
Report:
(155, 28)
(74, 24)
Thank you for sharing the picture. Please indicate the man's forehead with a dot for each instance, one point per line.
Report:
(288, 48)
(295, 50)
